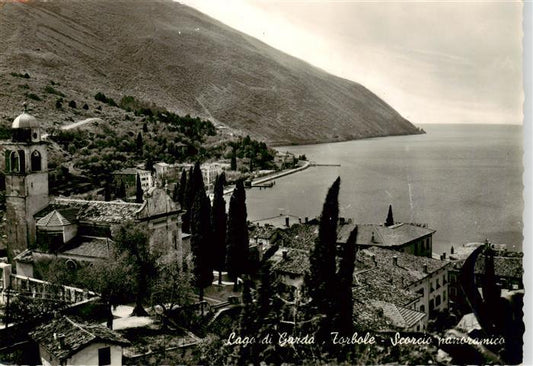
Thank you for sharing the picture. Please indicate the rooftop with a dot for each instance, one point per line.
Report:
(503, 266)
(112, 212)
(89, 247)
(381, 235)
(294, 261)
(61, 217)
(400, 317)
(25, 120)
(407, 270)
(378, 285)
(77, 335)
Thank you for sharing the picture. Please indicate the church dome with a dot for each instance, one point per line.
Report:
(25, 121)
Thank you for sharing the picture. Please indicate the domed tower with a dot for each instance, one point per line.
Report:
(26, 163)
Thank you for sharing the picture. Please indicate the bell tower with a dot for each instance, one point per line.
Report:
(26, 172)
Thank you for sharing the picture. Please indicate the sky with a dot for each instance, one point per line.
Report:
(433, 61)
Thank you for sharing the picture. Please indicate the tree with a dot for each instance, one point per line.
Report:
(139, 143)
(233, 165)
(390, 219)
(138, 190)
(322, 259)
(237, 234)
(121, 191)
(171, 286)
(187, 202)
(343, 321)
(182, 187)
(201, 241)
(107, 190)
(219, 222)
(322, 279)
(111, 278)
(175, 192)
(131, 238)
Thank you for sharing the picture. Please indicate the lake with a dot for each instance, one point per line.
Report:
(464, 181)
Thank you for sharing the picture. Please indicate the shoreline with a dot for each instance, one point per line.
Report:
(273, 176)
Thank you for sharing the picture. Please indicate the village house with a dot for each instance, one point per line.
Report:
(66, 341)
(75, 229)
(408, 238)
(425, 277)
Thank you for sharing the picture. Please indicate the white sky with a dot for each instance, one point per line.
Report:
(433, 61)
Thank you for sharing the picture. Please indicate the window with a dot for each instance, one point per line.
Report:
(444, 296)
(437, 300)
(14, 162)
(104, 356)
(35, 161)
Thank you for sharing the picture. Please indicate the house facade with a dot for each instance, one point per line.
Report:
(67, 341)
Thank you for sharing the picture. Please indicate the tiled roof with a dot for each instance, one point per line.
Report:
(295, 261)
(503, 266)
(297, 237)
(381, 285)
(112, 212)
(409, 268)
(55, 218)
(89, 247)
(373, 234)
(400, 317)
(77, 335)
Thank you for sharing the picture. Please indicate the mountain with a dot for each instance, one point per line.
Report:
(176, 57)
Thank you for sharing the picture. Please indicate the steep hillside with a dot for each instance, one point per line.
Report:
(176, 57)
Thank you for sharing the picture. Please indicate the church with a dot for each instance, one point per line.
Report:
(74, 229)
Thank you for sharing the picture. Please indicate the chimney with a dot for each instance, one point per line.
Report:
(425, 268)
(395, 260)
(285, 254)
(444, 256)
(373, 240)
(451, 250)
(307, 220)
(299, 220)
(60, 337)
(373, 256)
(287, 221)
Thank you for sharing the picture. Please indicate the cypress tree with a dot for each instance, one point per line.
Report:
(201, 240)
(107, 190)
(121, 192)
(265, 292)
(139, 190)
(322, 259)
(219, 222)
(237, 234)
(390, 220)
(183, 187)
(175, 192)
(139, 144)
(187, 202)
(344, 319)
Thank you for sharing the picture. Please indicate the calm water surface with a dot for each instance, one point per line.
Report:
(465, 181)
